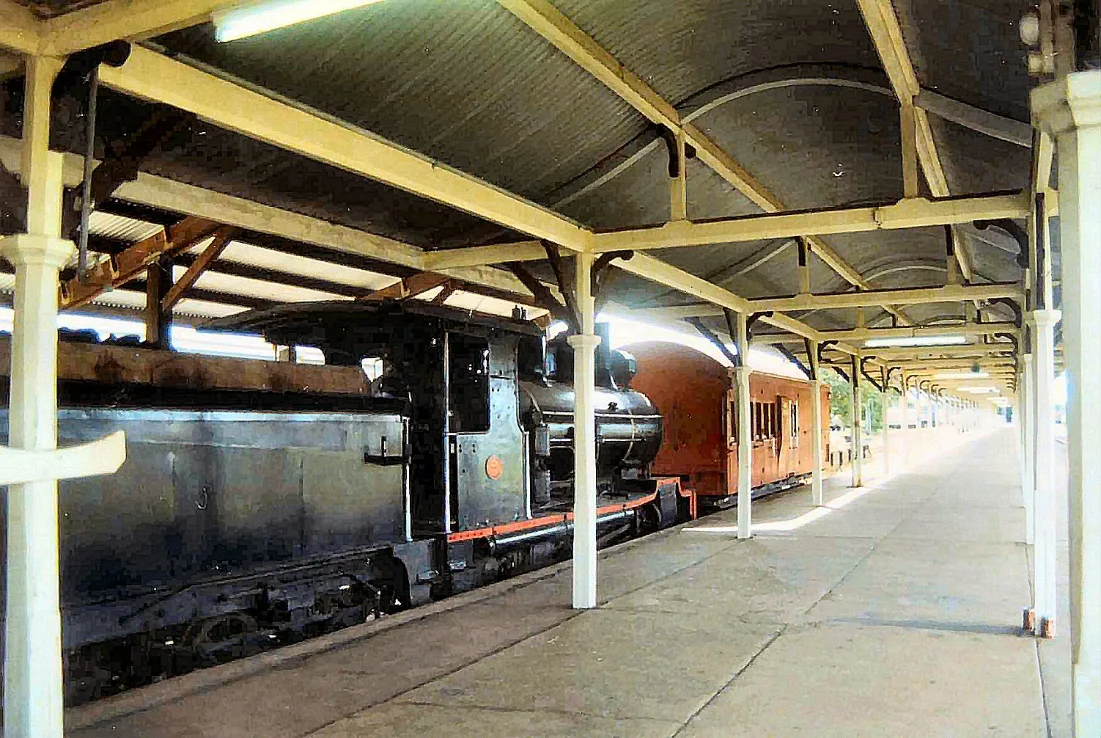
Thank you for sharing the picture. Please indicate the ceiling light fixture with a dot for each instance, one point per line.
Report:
(979, 390)
(963, 375)
(918, 341)
(242, 22)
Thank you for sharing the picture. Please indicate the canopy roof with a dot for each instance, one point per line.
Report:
(794, 96)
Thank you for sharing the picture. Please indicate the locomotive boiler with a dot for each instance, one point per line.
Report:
(263, 502)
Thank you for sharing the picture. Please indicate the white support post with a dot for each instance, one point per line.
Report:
(584, 441)
(857, 439)
(1045, 569)
(905, 402)
(1026, 407)
(816, 494)
(745, 431)
(886, 426)
(1070, 109)
(32, 659)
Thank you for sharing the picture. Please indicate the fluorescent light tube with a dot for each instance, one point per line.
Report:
(963, 375)
(242, 22)
(909, 341)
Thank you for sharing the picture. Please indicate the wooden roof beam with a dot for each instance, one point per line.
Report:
(907, 213)
(167, 196)
(480, 255)
(134, 20)
(932, 331)
(187, 280)
(921, 354)
(150, 76)
(407, 288)
(647, 267)
(883, 26)
(20, 30)
(848, 300)
(132, 262)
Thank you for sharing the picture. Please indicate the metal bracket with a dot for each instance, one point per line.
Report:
(714, 339)
(105, 456)
(1013, 230)
(794, 359)
(1012, 339)
(753, 319)
(670, 139)
(543, 296)
(1018, 315)
(864, 372)
(887, 379)
(603, 275)
(822, 349)
(732, 329)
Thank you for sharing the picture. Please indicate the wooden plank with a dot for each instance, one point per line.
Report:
(131, 264)
(408, 288)
(210, 254)
(131, 365)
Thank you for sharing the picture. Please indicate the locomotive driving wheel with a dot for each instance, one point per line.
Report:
(223, 638)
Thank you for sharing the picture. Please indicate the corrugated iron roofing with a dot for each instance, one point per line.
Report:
(121, 228)
(681, 47)
(970, 50)
(467, 83)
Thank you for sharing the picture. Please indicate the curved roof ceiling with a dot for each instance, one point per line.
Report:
(793, 91)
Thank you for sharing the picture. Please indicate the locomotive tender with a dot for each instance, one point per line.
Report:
(261, 505)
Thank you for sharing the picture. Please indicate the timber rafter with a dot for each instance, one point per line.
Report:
(132, 263)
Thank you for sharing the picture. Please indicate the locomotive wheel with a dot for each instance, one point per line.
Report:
(222, 638)
(649, 520)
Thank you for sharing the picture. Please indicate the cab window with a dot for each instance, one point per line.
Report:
(469, 377)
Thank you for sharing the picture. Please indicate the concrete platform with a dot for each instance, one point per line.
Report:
(893, 611)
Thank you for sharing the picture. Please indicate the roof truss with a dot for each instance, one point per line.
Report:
(153, 77)
(847, 300)
(542, 17)
(886, 33)
(907, 213)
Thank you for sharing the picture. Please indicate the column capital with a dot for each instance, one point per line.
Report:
(583, 341)
(1069, 103)
(1045, 318)
(26, 249)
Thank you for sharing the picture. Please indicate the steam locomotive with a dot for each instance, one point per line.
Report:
(259, 505)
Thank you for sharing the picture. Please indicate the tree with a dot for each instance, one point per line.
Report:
(871, 401)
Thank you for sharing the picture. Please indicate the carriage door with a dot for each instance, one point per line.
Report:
(786, 436)
(730, 466)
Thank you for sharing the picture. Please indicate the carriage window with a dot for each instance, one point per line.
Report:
(469, 375)
(772, 420)
(794, 424)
